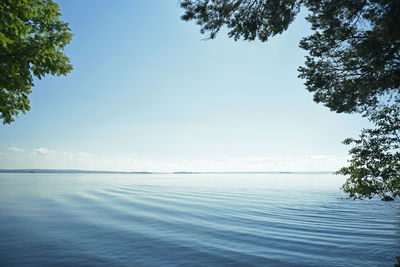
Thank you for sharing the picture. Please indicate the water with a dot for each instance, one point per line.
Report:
(193, 220)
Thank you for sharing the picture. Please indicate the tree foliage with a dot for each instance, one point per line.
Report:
(245, 19)
(354, 54)
(375, 163)
(353, 65)
(32, 40)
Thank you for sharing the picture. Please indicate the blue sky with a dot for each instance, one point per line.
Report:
(148, 94)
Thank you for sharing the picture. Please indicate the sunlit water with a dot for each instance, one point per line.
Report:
(193, 220)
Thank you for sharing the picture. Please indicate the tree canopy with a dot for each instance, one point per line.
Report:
(375, 163)
(353, 65)
(32, 40)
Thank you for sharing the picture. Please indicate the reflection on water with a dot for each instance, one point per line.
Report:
(192, 219)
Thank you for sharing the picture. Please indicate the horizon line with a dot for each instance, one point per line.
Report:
(147, 172)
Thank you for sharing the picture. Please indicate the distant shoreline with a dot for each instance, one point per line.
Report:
(72, 171)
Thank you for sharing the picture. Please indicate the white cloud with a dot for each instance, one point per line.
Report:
(16, 149)
(45, 152)
(52, 159)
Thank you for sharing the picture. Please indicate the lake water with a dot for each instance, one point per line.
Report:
(192, 220)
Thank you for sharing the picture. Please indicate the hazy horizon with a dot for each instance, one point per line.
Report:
(154, 172)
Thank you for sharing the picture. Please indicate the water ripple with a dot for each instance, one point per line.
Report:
(148, 224)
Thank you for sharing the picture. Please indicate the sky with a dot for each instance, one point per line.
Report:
(147, 93)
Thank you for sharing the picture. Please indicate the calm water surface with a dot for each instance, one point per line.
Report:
(193, 220)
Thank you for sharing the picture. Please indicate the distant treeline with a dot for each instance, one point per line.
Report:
(65, 171)
(144, 172)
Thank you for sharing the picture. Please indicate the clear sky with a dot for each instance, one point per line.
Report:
(148, 94)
